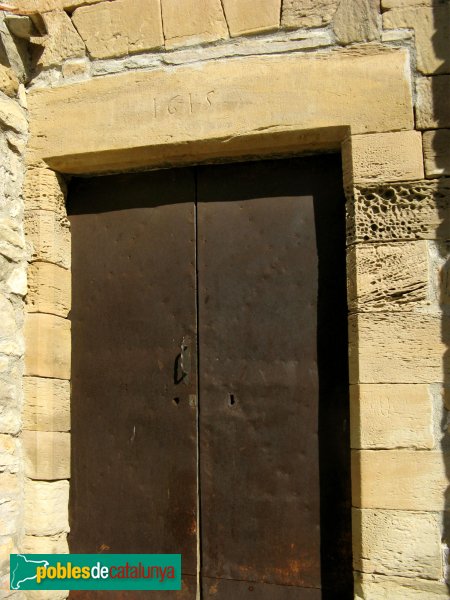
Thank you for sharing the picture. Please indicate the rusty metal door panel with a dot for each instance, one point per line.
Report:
(134, 415)
(244, 590)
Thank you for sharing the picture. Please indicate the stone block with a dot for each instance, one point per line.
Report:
(400, 479)
(391, 416)
(405, 211)
(393, 542)
(47, 404)
(308, 13)
(11, 240)
(49, 236)
(41, 6)
(10, 455)
(431, 26)
(380, 587)
(356, 21)
(51, 544)
(436, 149)
(121, 27)
(387, 277)
(47, 455)
(47, 340)
(10, 405)
(44, 190)
(383, 157)
(432, 105)
(9, 84)
(11, 339)
(46, 507)
(61, 42)
(400, 347)
(193, 22)
(49, 289)
(251, 16)
(12, 116)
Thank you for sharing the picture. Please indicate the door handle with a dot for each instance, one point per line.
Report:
(183, 362)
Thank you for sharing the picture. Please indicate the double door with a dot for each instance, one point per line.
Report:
(199, 358)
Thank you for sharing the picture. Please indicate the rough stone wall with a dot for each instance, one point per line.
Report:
(398, 186)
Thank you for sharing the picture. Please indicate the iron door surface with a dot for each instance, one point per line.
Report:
(134, 415)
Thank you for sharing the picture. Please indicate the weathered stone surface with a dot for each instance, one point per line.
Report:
(46, 507)
(405, 211)
(44, 190)
(49, 289)
(120, 27)
(432, 106)
(11, 240)
(49, 235)
(12, 116)
(251, 16)
(10, 405)
(308, 13)
(431, 26)
(53, 544)
(62, 41)
(399, 479)
(76, 68)
(11, 342)
(385, 277)
(399, 3)
(397, 542)
(193, 22)
(9, 84)
(47, 454)
(380, 587)
(9, 454)
(41, 6)
(391, 416)
(436, 149)
(149, 117)
(47, 341)
(383, 157)
(47, 404)
(398, 348)
(356, 21)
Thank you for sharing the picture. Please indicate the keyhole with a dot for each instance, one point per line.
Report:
(176, 401)
(231, 400)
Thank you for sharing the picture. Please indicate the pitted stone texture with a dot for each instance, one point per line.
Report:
(53, 544)
(47, 404)
(251, 16)
(436, 149)
(308, 13)
(380, 587)
(391, 416)
(49, 237)
(121, 27)
(49, 289)
(356, 21)
(389, 277)
(44, 190)
(405, 211)
(396, 542)
(431, 26)
(48, 346)
(46, 507)
(12, 245)
(193, 22)
(62, 41)
(47, 454)
(383, 157)
(401, 347)
(432, 106)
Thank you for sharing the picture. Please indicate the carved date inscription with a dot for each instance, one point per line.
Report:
(186, 103)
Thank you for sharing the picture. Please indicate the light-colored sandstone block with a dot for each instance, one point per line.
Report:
(62, 41)
(46, 507)
(49, 289)
(10, 455)
(391, 416)
(356, 21)
(432, 105)
(40, 6)
(251, 16)
(436, 150)
(193, 22)
(49, 236)
(47, 454)
(380, 587)
(308, 13)
(383, 157)
(393, 542)
(11, 340)
(398, 348)
(404, 211)
(47, 340)
(12, 116)
(47, 404)
(401, 3)
(44, 190)
(9, 84)
(431, 26)
(121, 27)
(147, 117)
(387, 276)
(399, 479)
(52, 544)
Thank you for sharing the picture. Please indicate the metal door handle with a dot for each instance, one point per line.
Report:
(183, 362)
